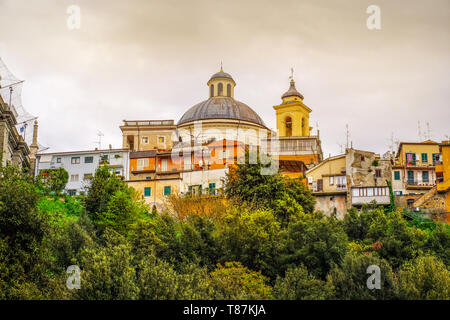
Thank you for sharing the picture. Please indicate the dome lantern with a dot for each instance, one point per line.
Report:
(221, 84)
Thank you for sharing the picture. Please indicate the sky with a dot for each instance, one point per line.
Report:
(146, 59)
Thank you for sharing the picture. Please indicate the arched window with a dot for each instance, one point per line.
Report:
(211, 90)
(288, 127)
(303, 122)
(220, 93)
(228, 90)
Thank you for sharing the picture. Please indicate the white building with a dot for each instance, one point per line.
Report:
(81, 165)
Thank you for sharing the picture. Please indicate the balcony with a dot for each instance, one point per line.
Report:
(416, 184)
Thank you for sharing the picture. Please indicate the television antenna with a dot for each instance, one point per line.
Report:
(99, 142)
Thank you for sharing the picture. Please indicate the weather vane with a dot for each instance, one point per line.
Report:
(292, 74)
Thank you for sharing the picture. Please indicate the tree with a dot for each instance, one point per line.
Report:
(299, 284)
(111, 203)
(350, 279)
(103, 186)
(52, 181)
(251, 237)
(424, 278)
(316, 241)
(107, 272)
(236, 282)
(24, 256)
(246, 183)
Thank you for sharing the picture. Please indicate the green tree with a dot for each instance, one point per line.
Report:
(316, 241)
(251, 237)
(235, 282)
(424, 278)
(107, 272)
(350, 279)
(299, 284)
(52, 181)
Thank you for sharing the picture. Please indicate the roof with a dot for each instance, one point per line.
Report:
(292, 91)
(142, 154)
(325, 161)
(221, 108)
(82, 151)
(292, 165)
(221, 74)
(426, 142)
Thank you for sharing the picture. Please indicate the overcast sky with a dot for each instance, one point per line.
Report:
(152, 59)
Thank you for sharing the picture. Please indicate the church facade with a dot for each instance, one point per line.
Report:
(194, 154)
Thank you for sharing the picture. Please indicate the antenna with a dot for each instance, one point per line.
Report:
(341, 146)
(428, 131)
(347, 133)
(100, 135)
(419, 130)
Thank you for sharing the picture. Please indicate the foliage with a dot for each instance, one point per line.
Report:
(424, 278)
(52, 181)
(299, 284)
(350, 279)
(235, 282)
(316, 241)
(242, 247)
(251, 237)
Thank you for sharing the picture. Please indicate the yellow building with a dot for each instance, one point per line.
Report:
(294, 141)
(352, 179)
(413, 172)
(443, 172)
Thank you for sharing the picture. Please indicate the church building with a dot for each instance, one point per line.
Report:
(194, 154)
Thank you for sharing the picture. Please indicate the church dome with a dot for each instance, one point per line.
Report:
(221, 108)
(221, 74)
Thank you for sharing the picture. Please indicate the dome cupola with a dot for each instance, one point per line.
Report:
(221, 84)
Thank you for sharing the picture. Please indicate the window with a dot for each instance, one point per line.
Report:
(362, 158)
(410, 177)
(396, 175)
(425, 157)
(58, 160)
(88, 159)
(319, 185)
(331, 180)
(220, 89)
(341, 182)
(425, 177)
(147, 192)
(144, 140)
(148, 178)
(167, 190)
(411, 158)
(212, 188)
(74, 178)
(370, 192)
(142, 163)
(436, 159)
(355, 192)
(378, 173)
(161, 139)
(187, 162)
(211, 91)
(228, 90)
(75, 160)
(72, 192)
(398, 193)
(164, 165)
(87, 176)
(288, 127)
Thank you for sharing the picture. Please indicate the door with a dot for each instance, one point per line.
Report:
(164, 166)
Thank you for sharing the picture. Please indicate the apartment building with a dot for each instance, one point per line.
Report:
(82, 165)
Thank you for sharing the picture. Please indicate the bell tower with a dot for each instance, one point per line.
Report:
(292, 114)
